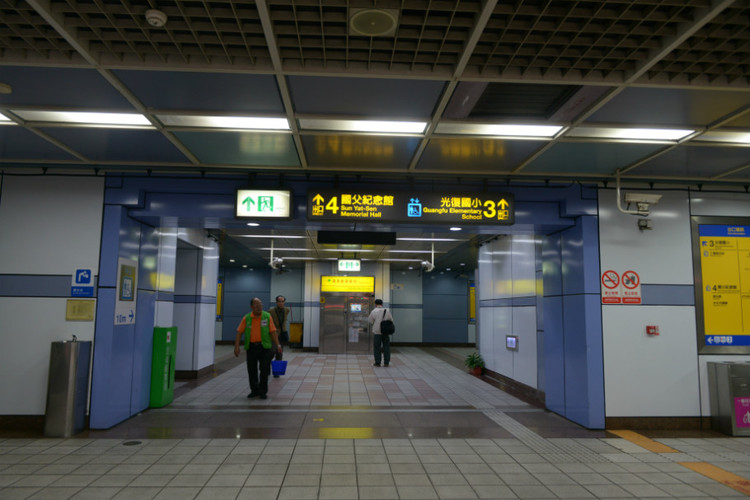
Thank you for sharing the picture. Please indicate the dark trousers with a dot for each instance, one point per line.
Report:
(258, 360)
(382, 344)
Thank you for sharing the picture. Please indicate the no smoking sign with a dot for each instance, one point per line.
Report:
(622, 288)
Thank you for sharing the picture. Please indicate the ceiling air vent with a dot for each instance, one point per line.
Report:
(373, 22)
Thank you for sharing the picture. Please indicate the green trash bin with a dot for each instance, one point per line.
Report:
(162, 366)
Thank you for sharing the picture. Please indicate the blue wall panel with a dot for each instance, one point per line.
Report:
(113, 351)
(445, 309)
(240, 286)
(116, 369)
(451, 331)
(143, 351)
(554, 355)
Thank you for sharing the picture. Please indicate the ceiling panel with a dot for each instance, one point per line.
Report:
(695, 161)
(52, 87)
(241, 148)
(625, 64)
(19, 144)
(489, 156)
(589, 158)
(117, 145)
(364, 97)
(359, 151)
(670, 107)
(236, 93)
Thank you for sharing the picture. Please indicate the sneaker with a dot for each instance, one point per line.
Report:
(385, 364)
(252, 395)
(376, 364)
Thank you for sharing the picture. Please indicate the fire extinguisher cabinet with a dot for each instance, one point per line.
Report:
(162, 366)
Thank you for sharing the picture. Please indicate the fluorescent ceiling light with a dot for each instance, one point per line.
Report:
(412, 251)
(648, 134)
(397, 260)
(234, 122)
(267, 236)
(429, 239)
(86, 118)
(4, 118)
(724, 136)
(508, 130)
(385, 127)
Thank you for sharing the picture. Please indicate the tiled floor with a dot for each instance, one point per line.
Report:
(334, 427)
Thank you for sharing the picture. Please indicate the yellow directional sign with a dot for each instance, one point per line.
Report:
(407, 206)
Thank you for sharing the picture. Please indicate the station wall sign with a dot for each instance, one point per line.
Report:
(419, 207)
(725, 275)
(263, 204)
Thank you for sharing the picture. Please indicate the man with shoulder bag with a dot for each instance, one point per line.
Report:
(381, 321)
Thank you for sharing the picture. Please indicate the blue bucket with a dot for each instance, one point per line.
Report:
(278, 367)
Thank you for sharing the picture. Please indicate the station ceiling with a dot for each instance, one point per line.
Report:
(531, 90)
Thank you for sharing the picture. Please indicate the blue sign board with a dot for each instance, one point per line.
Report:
(83, 283)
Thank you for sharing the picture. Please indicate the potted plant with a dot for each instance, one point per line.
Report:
(475, 362)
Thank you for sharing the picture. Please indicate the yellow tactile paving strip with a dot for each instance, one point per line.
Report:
(726, 478)
(718, 474)
(643, 441)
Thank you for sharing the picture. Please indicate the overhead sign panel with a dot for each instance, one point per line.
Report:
(263, 204)
(361, 284)
(420, 207)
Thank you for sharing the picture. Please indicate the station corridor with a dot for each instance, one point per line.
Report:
(335, 427)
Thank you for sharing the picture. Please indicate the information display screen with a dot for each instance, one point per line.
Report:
(419, 207)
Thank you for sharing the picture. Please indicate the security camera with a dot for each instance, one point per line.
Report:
(276, 262)
(647, 198)
(427, 266)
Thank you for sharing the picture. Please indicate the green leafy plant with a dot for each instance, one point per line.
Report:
(474, 360)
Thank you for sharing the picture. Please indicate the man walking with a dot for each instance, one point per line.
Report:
(260, 335)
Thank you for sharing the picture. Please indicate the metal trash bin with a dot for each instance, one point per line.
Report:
(729, 393)
(67, 390)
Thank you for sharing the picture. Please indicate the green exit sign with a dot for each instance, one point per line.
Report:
(263, 204)
(349, 265)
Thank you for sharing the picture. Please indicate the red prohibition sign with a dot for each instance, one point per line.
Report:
(610, 279)
(630, 279)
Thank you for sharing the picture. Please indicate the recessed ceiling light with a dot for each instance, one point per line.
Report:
(507, 130)
(455, 228)
(232, 122)
(253, 224)
(385, 127)
(231, 260)
(244, 266)
(647, 134)
(86, 118)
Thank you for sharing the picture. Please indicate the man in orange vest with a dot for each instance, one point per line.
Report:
(260, 336)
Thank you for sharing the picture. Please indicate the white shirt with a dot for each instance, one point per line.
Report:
(376, 316)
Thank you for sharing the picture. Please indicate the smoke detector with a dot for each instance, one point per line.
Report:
(373, 22)
(156, 18)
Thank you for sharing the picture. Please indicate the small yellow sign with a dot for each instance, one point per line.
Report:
(80, 310)
(364, 284)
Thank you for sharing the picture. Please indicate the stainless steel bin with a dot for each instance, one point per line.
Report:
(67, 391)
(729, 393)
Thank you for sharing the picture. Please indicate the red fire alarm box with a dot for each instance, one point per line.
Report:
(652, 330)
